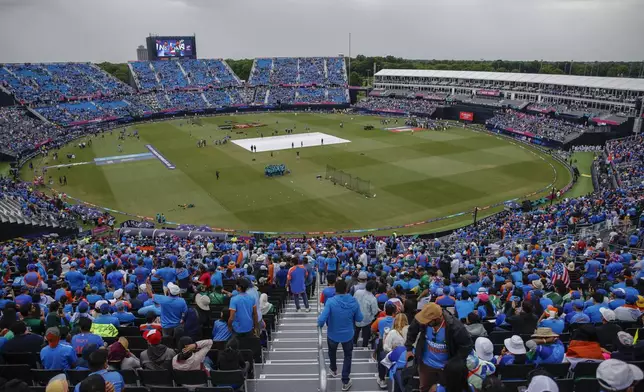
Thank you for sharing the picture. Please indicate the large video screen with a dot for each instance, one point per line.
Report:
(183, 47)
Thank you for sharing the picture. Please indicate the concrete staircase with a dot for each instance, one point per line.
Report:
(292, 361)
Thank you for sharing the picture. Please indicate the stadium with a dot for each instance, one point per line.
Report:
(495, 216)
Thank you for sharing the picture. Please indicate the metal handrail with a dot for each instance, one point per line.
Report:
(321, 361)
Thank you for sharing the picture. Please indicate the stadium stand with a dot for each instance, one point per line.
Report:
(399, 105)
(552, 128)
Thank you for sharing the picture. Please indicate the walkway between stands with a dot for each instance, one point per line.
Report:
(292, 364)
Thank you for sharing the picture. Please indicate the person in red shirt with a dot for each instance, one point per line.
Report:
(204, 277)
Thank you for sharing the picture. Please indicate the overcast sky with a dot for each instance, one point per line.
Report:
(110, 30)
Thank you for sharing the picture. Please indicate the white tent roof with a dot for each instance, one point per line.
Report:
(563, 80)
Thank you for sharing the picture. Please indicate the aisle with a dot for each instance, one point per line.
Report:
(292, 364)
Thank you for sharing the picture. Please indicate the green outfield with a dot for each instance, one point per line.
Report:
(415, 177)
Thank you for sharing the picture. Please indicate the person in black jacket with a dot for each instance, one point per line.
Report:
(440, 337)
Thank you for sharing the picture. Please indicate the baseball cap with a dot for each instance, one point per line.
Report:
(631, 299)
(118, 294)
(619, 293)
(83, 307)
(73, 264)
(428, 313)
(607, 314)
(542, 384)
(153, 336)
(575, 295)
(174, 289)
(362, 275)
(616, 375)
(579, 304)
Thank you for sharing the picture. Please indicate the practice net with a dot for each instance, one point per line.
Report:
(356, 184)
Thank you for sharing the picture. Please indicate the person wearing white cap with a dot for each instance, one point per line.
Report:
(513, 352)
(542, 384)
(607, 332)
(617, 376)
(484, 349)
(173, 308)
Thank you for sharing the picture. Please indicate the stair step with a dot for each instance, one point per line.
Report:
(312, 355)
(277, 368)
(360, 384)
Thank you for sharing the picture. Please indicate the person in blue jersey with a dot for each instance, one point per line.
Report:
(216, 276)
(115, 279)
(321, 265)
(105, 317)
(141, 273)
(545, 347)
(550, 319)
(98, 367)
(282, 275)
(167, 274)
(173, 308)
(220, 330)
(75, 278)
(297, 276)
(578, 316)
(57, 355)
(243, 320)
(85, 337)
(340, 315)
(593, 311)
(592, 269)
(124, 317)
(94, 280)
(328, 291)
(618, 298)
(446, 299)
(441, 336)
(513, 352)
(331, 264)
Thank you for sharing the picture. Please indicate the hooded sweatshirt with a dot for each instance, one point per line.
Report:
(157, 357)
(340, 314)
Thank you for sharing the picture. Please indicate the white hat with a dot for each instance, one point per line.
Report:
(542, 384)
(607, 314)
(100, 302)
(174, 289)
(514, 345)
(203, 302)
(484, 349)
(570, 266)
(616, 375)
(261, 258)
(143, 288)
(118, 294)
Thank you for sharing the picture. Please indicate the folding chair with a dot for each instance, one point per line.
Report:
(190, 377)
(42, 376)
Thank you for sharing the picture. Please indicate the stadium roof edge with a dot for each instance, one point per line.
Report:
(563, 80)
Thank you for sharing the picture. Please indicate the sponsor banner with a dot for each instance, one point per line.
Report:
(489, 93)
(100, 229)
(160, 157)
(123, 158)
(466, 116)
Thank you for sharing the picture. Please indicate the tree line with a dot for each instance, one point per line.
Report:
(362, 67)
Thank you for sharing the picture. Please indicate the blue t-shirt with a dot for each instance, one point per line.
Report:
(328, 293)
(172, 310)
(81, 340)
(141, 274)
(386, 322)
(61, 357)
(114, 378)
(557, 325)
(331, 264)
(579, 318)
(297, 276)
(116, 279)
(216, 279)
(168, 274)
(220, 331)
(242, 304)
(592, 269)
(436, 353)
(593, 312)
(76, 280)
(463, 308)
(124, 317)
(107, 319)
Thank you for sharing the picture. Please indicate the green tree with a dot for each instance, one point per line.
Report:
(241, 67)
(118, 70)
(355, 79)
